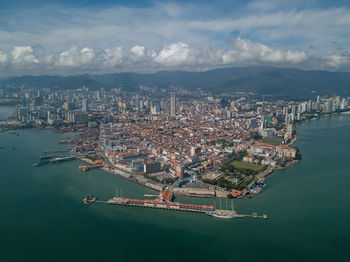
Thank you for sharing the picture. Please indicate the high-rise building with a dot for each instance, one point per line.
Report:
(77, 117)
(85, 105)
(172, 104)
(66, 106)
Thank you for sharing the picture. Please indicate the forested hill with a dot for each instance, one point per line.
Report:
(260, 80)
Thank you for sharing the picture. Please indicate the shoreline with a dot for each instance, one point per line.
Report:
(295, 138)
(217, 192)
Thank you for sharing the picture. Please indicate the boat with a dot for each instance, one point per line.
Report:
(223, 215)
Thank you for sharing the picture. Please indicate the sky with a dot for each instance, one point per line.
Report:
(40, 37)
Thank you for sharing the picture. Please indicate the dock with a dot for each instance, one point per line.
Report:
(54, 160)
(55, 151)
(95, 164)
(89, 199)
(164, 201)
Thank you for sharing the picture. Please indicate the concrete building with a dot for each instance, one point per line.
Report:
(172, 104)
(77, 117)
(151, 167)
(268, 132)
(179, 171)
(85, 105)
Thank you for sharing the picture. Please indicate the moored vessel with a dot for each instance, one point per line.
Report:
(224, 214)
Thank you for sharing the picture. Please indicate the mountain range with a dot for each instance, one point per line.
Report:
(260, 80)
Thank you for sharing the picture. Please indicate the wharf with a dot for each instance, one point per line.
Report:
(55, 151)
(54, 160)
(160, 205)
(164, 201)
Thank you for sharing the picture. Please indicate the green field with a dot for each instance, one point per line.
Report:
(245, 165)
(269, 142)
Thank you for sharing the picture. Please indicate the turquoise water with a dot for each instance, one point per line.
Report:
(6, 112)
(42, 217)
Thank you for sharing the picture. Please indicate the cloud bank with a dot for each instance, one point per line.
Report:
(173, 56)
(63, 39)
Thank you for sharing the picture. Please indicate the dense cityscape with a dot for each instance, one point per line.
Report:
(189, 142)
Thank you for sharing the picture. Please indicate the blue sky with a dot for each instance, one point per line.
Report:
(82, 36)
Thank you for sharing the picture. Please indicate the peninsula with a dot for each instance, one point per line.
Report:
(190, 142)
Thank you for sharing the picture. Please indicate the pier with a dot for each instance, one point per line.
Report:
(164, 201)
(54, 160)
(95, 164)
(55, 151)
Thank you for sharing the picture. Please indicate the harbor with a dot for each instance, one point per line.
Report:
(165, 201)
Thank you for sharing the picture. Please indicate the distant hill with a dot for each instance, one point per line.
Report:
(260, 80)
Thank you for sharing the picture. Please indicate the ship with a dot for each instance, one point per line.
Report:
(226, 214)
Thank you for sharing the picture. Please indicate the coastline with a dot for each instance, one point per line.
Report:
(218, 192)
(295, 138)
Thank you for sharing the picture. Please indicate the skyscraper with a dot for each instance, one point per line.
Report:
(172, 104)
(85, 105)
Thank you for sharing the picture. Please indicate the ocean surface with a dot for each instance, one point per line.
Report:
(6, 112)
(42, 217)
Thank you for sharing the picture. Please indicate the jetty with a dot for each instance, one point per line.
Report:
(165, 201)
(89, 199)
(95, 164)
(54, 160)
(55, 151)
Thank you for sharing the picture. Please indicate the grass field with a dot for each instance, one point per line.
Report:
(269, 142)
(245, 165)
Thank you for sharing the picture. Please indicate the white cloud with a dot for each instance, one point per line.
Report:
(247, 51)
(112, 56)
(69, 58)
(292, 25)
(3, 57)
(74, 57)
(176, 54)
(337, 61)
(138, 50)
(23, 55)
(87, 55)
(179, 55)
(151, 53)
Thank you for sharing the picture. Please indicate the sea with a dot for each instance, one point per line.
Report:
(42, 217)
